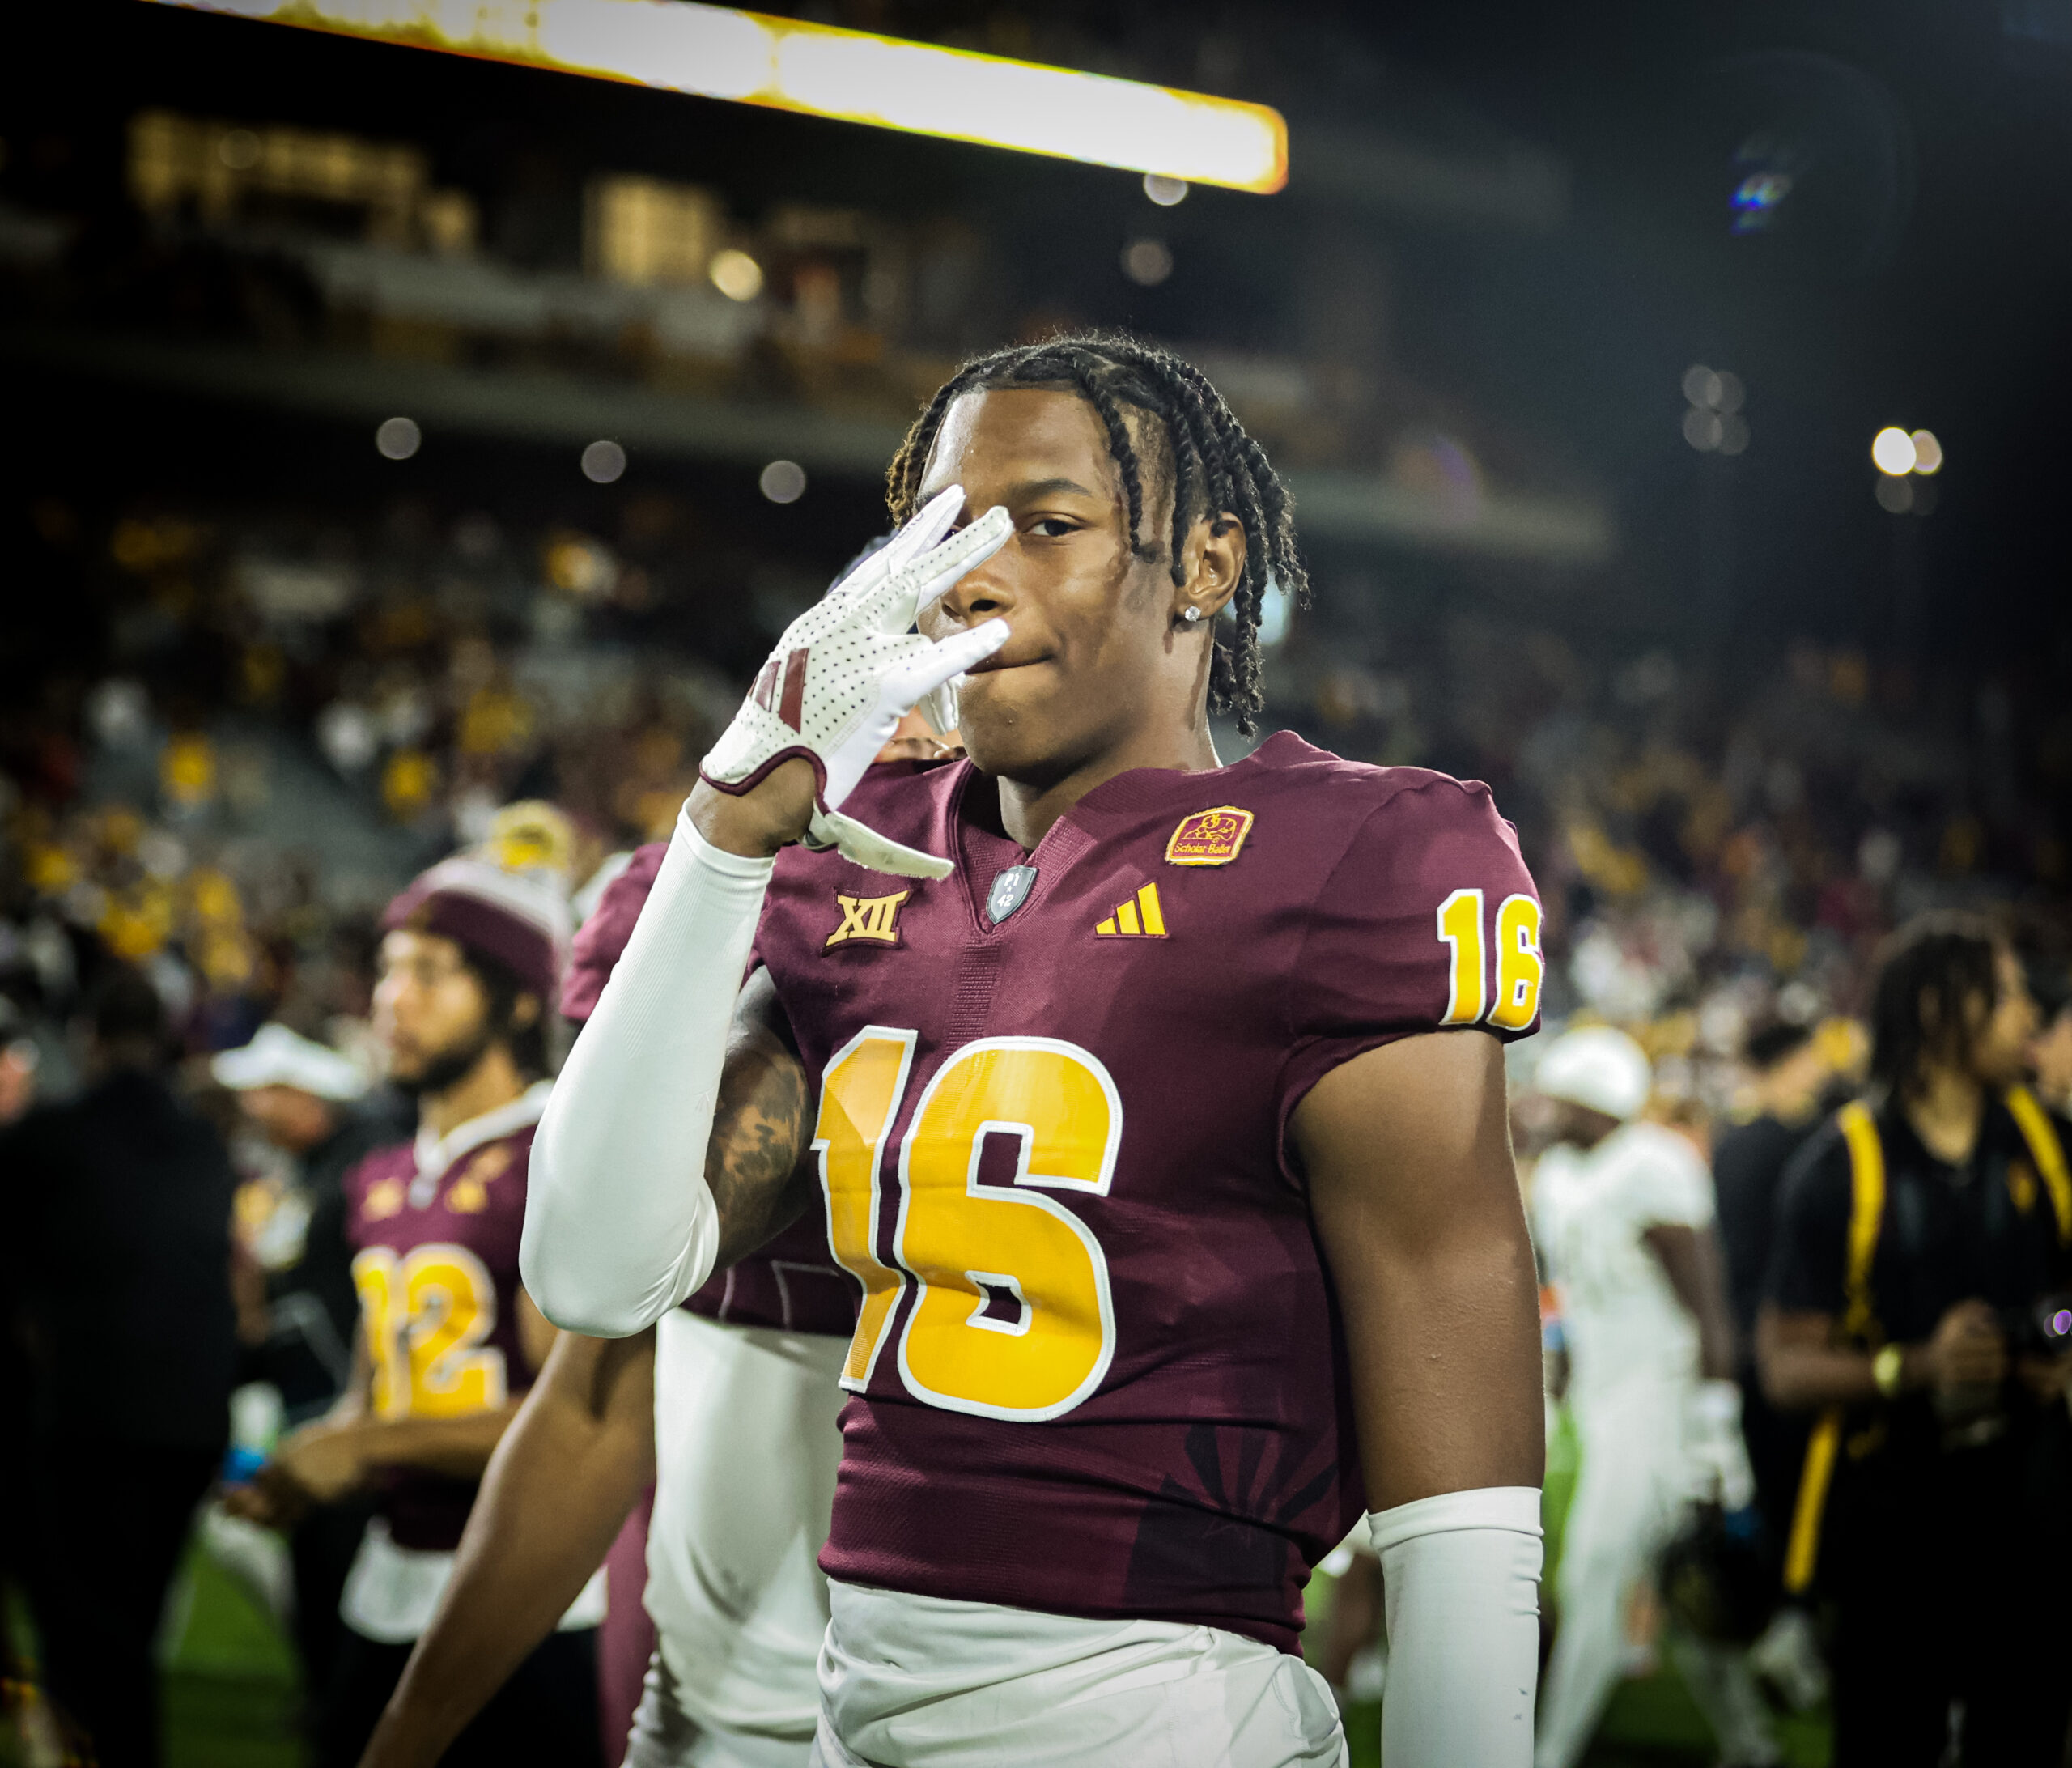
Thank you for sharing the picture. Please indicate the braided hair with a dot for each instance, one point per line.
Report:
(1214, 468)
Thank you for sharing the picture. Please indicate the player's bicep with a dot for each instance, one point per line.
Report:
(754, 1162)
(1405, 1150)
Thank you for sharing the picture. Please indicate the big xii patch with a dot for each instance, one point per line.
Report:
(874, 918)
(1212, 837)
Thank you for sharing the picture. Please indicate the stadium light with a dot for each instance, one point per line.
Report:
(855, 76)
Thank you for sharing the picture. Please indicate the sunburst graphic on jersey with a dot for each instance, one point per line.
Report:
(1140, 917)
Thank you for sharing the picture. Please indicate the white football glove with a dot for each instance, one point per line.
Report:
(1716, 1455)
(852, 666)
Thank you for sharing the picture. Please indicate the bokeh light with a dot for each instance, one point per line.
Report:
(1892, 452)
(1704, 430)
(1146, 262)
(1165, 191)
(736, 274)
(784, 482)
(398, 438)
(1927, 453)
(1711, 423)
(603, 462)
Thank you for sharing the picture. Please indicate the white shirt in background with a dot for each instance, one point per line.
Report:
(1591, 1209)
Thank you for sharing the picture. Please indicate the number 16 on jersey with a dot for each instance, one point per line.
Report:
(1520, 967)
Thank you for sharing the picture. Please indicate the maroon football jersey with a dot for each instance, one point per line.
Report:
(1098, 1368)
(790, 1284)
(435, 1262)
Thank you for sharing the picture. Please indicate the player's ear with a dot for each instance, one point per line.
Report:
(1213, 558)
(524, 1012)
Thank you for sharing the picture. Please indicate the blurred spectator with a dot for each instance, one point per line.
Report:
(120, 1204)
(1918, 1301)
(2052, 1052)
(1623, 1215)
(310, 1104)
(19, 1059)
(1790, 1073)
(304, 1100)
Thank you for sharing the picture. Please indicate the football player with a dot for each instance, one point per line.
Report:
(743, 1450)
(1625, 1213)
(449, 1341)
(1157, 1107)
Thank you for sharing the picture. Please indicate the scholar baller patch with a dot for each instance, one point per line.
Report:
(1212, 837)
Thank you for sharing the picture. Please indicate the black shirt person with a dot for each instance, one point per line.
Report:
(118, 1206)
(1789, 1072)
(1917, 1242)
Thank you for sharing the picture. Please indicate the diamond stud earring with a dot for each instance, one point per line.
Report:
(1192, 616)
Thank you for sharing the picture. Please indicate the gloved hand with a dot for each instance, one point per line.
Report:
(852, 666)
(1716, 1455)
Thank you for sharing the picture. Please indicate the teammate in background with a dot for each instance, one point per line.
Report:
(1917, 1307)
(309, 1102)
(742, 1451)
(449, 1341)
(1129, 1115)
(1623, 1214)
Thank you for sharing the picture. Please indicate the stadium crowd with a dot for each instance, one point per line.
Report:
(271, 718)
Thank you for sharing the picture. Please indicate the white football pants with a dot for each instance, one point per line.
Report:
(1631, 1489)
(746, 1448)
(910, 1681)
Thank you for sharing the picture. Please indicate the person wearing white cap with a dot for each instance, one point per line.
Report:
(1622, 1213)
(311, 1103)
(301, 1097)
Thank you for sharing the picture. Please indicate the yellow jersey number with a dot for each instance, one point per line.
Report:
(427, 1314)
(1521, 965)
(1013, 1317)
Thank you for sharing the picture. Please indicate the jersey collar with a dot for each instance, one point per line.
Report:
(436, 1153)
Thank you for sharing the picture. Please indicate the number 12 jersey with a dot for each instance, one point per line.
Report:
(1098, 1365)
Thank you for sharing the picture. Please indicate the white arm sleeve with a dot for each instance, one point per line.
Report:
(620, 1226)
(1461, 1572)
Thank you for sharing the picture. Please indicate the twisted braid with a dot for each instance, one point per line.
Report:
(1218, 471)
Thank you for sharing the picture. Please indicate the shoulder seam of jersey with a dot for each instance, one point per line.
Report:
(1309, 927)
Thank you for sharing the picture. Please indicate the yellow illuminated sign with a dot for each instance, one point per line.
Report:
(715, 52)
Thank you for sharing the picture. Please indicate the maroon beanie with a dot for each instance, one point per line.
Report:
(518, 922)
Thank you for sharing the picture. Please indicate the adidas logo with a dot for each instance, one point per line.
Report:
(1140, 918)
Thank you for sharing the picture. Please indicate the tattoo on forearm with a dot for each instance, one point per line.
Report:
(758, 1135)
